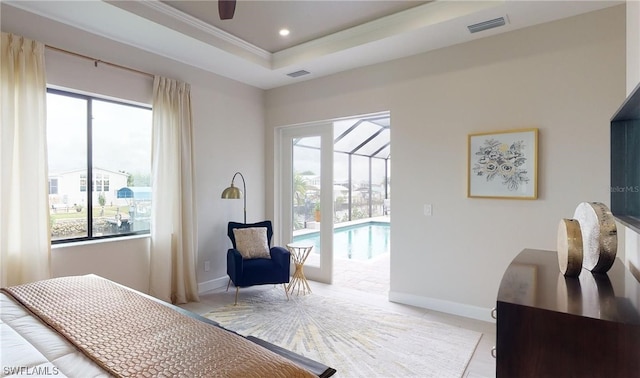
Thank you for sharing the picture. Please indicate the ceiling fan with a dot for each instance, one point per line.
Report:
(226, 9)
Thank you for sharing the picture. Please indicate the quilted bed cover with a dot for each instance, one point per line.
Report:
(87, 326)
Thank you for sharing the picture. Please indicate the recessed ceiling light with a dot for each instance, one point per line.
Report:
(284, 32)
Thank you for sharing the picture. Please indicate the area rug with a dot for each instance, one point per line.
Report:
(357, 340)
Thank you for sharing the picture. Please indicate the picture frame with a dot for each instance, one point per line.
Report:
(503, 164)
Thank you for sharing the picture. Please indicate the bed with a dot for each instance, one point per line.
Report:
(88, 326)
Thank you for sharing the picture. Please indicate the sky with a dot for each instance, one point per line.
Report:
(308, 159)
(121, 135)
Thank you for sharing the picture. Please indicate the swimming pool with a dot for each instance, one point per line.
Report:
(356, 242)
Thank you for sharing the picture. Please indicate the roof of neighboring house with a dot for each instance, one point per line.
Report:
(95, 169)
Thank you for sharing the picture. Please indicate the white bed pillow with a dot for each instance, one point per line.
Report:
(251, 242)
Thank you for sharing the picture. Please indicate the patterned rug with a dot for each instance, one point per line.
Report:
(358, 341)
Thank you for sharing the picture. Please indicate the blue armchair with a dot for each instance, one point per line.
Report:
(257, 271)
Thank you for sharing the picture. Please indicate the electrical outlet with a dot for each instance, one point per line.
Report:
(206, 266)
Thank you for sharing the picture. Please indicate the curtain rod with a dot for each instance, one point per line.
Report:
(96, 61)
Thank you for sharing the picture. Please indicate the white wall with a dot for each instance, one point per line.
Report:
(229, 137)
(633, 44)
(125, 261)
(228, 122)
(632, 239)
(565, 78)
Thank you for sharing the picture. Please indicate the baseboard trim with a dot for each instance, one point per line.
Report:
(217, 283)
(468, 311)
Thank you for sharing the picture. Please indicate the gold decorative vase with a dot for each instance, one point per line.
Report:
(599, 236)
(570, 248)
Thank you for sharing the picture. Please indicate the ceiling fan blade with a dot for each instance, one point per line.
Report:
(226, 9)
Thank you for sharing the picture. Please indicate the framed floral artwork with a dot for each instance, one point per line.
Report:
(503, 164)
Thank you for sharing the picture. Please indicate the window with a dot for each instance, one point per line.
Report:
(53, 186)
(109, 142)
(83, 182)
(102, 183)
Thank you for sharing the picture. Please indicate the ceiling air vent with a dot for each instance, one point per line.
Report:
(298, 73)
(490, 24)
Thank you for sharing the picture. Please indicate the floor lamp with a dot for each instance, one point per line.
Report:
(234, 193)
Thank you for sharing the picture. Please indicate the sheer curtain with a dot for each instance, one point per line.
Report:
(25, 241)
(173, 226)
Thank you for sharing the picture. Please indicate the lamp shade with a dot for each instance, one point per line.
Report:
(232, 193)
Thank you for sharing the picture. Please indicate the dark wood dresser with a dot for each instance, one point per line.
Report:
(549, 325)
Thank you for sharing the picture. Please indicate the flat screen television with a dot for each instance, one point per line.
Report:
(625, 162)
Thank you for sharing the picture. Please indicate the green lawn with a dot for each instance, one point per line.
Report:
(109, 212)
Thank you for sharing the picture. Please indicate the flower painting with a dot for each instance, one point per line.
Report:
(499, 160)
(503, 164)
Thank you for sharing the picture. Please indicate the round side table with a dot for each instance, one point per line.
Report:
(299, 253)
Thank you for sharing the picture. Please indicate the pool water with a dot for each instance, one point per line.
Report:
(358, 242)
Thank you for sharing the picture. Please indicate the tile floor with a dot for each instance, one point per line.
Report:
(367, 282)
(371, 276)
